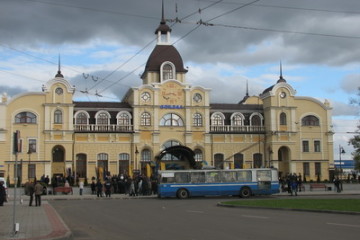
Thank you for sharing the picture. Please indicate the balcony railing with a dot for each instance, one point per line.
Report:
(102, 128)
(229, 128)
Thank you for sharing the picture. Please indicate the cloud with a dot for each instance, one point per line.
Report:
(133, 22)
(341, 109)
(351, 83)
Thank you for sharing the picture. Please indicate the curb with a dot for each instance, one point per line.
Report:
(289, 209)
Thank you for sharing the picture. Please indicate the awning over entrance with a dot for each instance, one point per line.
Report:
(183, 153)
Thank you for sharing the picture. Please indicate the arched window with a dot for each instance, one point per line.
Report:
(58, 154)
(310, 120)
(257, 160)
(239, 160)
(145, 119)
(217, 119)
(283, 118)
(58, 116)
(123, 119)
(168, 144)
(81, 118)
(256, 119)
(237, 119)
(25, 117)
(198, 155)
(81, 165)
(219, 161)
(171, 119)
(102, 160)
(197, 120)
(145, 155)
(102, 118)
(167, 71)
(124, 159)
(102, 157)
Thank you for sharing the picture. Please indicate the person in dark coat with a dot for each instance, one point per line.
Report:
(2, 193)
(108, 188)
(99, 188)
(29, 190)
(38, 192)
(93, 187)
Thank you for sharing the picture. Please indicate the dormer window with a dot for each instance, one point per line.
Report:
(167, 71)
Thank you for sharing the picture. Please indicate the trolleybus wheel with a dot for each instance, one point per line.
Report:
(182, 193)
(245, 192)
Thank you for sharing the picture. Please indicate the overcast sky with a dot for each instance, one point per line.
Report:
(105, 44)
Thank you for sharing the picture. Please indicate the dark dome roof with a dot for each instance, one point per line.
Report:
(161, 54)
(163, 28)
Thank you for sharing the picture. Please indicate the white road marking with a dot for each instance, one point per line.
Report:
(252, 216)
(344, 225)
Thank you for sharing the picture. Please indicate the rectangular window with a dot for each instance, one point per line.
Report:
(244, 176)
(305, 146)
(32, 171)
(318, 169)
(306, 169)
(182, 177)
(32, 145)
(197, 177)
(317, 146)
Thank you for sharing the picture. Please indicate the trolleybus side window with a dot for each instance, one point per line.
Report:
(182, 177)
(197, 177)
(244, 176)
(167, 177)
(212, 177)
(263, 175)
(229, 176)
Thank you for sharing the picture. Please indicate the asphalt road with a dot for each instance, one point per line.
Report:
(197, 219)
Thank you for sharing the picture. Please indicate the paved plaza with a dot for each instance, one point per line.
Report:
(44, 223)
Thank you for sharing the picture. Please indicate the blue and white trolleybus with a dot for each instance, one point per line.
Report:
(240, 182)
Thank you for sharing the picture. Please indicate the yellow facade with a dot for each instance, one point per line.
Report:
(60, 136)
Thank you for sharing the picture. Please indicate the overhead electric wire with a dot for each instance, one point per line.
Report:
(289, 7)
(89, 9)
(283, 31)
(188, 33)
(233, 10)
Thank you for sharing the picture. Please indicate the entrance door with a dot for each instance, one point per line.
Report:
(58, 160)
(284, 158)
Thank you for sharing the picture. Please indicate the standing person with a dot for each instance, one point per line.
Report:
(81, 187)
(38, 191)
(93, 187)
(108, 188)
(2, 193)
(99, 188)
(299, 182)
(29, 190)
(294, 184)
(132, 187)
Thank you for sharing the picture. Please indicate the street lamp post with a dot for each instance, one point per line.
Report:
(341, 151)
(136, 158)
(29, 153)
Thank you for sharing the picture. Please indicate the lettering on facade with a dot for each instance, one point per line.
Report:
(171, 106)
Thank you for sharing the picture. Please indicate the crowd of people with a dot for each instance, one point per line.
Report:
(124, 184)
(292, 183)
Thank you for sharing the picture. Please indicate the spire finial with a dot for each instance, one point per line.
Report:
(281, 79)
(247, 88)
(59, 68)
(162, 12)
(163, 31)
